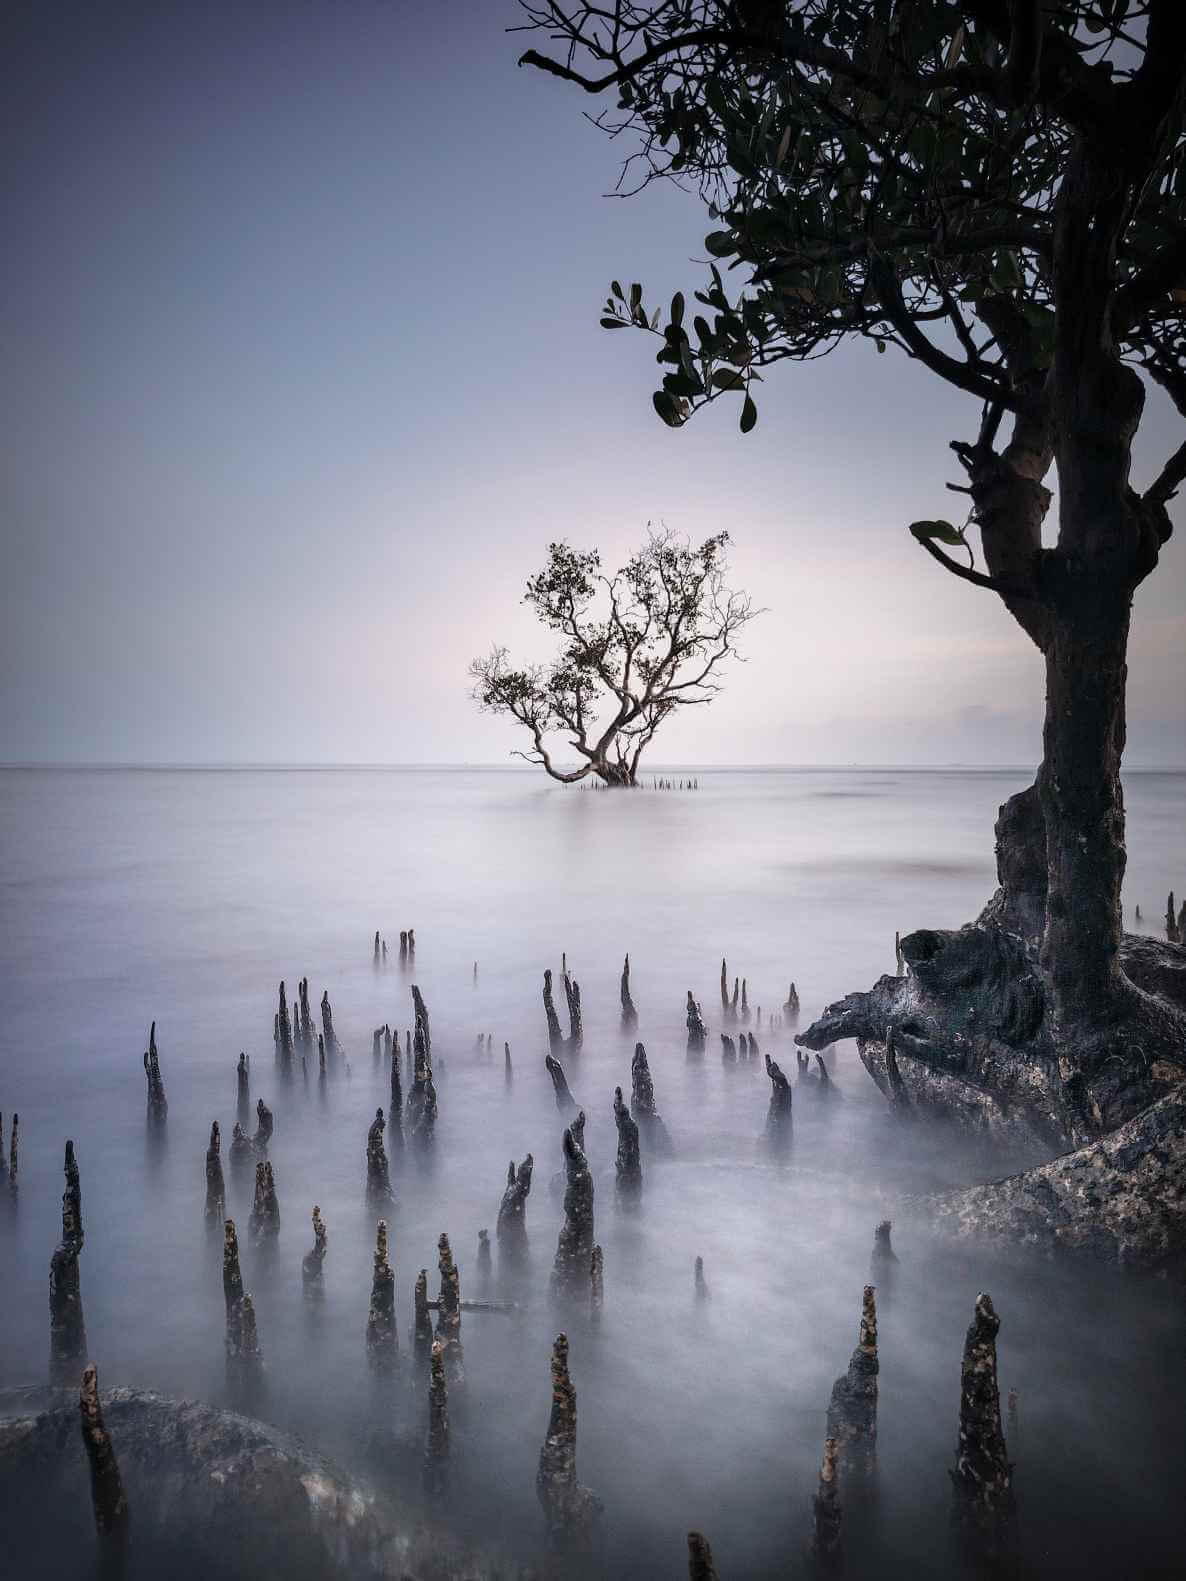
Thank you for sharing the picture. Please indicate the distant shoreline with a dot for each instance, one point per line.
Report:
(501, 768)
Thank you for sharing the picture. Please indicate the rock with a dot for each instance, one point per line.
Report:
(235, 1496)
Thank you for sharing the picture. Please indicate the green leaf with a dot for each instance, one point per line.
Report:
(749, 414)
(943, 531)
(613, 323)
(617, 290)
(677, 309)
(635, 298)
(666, 408)
(728, 379)
(720, 243)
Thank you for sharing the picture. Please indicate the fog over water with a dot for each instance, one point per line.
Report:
(186, 896)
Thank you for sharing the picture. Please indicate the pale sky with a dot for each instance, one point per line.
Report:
(302, 371)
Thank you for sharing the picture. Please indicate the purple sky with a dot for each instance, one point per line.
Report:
(302, 370)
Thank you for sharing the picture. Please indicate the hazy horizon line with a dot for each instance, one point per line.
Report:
(246, 765)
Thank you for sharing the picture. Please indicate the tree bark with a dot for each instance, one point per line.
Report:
(1083, 805)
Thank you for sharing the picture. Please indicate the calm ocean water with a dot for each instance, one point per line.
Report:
(185, 896)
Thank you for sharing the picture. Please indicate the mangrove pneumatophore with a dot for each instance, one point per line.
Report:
(421, 1014)
(728, 1050)
(576, 1029)
(744, 1001)
(108, 1499)
(436, 1443)
(852, 1410)
(332, 1047)
(215, 1185)
(422, 1099)
(699, 1281)
(449, 1314)
(642, 1104)
(305, 1020)
(569, 1509)
(283, 1031)
(507, 1069)
(565, 1101)
(790, 1007)
(826, 1534)
(311, 1263)
(511, 1228)
(244, 1360)
(242, 1151)
(263, 1126)
(983, 1477)
(883, 1260)
(628, 1164)
(778, 1115)
(264, 1222)
(243, 1078)
(555, 1035)
(728, 1013)
(395, 1112)
(629, 1013)
(13, 1160)
(67, 1325)
(382, 1339)
(422, 1323)
(596, 1283)
(378, 1174)
(697, 1034)
(485, 1262)
(158, 1104)
(570, 1271)
(700, 1565)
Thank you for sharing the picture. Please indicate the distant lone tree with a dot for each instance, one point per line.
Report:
(997, 190)
(635, 646)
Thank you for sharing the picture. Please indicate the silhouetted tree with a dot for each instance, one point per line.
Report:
(635, 646)
(994, 188)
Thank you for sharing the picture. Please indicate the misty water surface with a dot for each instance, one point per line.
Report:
(187, 896)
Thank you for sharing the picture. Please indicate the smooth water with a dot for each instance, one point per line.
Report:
(186, 896)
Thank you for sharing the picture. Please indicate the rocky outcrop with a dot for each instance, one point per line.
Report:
(1121, 1199)
(232, 1494)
